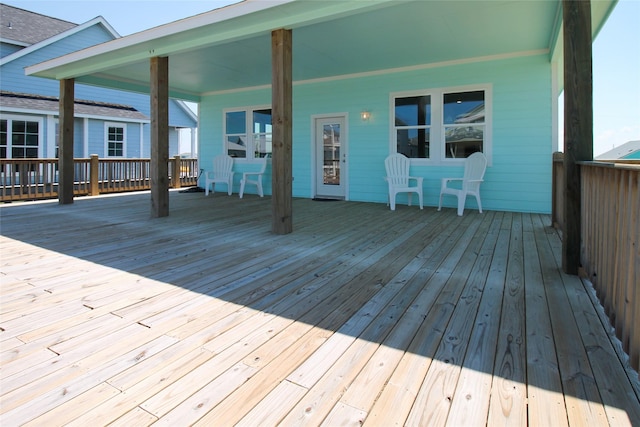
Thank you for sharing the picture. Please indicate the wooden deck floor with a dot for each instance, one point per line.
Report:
(361, 316)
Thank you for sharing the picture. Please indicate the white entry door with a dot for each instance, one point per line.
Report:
(331, 157)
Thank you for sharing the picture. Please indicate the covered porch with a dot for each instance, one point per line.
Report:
(362, 316)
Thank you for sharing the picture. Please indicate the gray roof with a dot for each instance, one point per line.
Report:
(24, 101)
(28, 27)
(621, 151)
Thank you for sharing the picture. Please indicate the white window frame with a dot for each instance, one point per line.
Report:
(437, 153)
(250, 136)
(10, 118)
(123, 126)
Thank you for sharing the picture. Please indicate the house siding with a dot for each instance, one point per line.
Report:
(15, 80)
(7, 49)
(518, 179)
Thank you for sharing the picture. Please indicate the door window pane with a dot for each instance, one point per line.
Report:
(331, 150)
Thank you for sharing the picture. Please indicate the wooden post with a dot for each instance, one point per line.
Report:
(175, 176)
(94, 175)
(159, 136)
(281, 178)
(578, 121)
(65, 142)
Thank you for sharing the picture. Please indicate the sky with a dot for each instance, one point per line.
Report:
(616, 52)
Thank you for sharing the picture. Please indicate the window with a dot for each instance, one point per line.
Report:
(241, 143)
(20, 138)
(3, 139)
(463, 123)
(116, 137)
(413, 125)
(441, 125)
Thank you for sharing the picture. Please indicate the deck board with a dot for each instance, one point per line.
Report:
(360, 316)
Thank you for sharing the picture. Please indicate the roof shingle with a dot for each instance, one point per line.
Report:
(29, 27)
(49, 103)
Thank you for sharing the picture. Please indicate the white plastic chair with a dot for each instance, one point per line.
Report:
(474, 168)
(254, 178)
(222, 172)
(397, 166)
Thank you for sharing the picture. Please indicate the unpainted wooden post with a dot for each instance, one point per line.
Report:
(94, 176)
(65, 142)
(159, 67)
(281, 199)
(578, 122)
(557, 190)
(175, 177)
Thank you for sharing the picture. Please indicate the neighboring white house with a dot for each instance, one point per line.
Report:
(109, 123)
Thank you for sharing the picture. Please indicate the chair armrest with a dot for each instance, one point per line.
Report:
(247, 174)
(445, 181)
(418, 179)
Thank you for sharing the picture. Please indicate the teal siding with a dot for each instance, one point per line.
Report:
(519, 178)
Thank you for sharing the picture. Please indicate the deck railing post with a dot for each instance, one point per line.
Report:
(94, 168)
(175, 177)
(557, 191)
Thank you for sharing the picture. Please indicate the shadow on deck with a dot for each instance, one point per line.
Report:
(361, 315)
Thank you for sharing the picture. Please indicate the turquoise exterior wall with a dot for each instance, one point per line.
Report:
(519, 178)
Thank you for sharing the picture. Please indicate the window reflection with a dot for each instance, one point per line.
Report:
(248, 139)
(464, 118)
(412, 121)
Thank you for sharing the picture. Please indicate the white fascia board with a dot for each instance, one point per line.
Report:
(95, 21)
(13, 42)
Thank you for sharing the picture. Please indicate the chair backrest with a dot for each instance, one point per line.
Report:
(474, 168)
(222, 166)
(397, 166)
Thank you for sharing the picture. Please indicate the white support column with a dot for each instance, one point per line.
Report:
(85, 137)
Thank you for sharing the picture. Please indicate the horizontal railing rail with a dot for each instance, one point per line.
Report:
(33, 179)
(610, 241)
